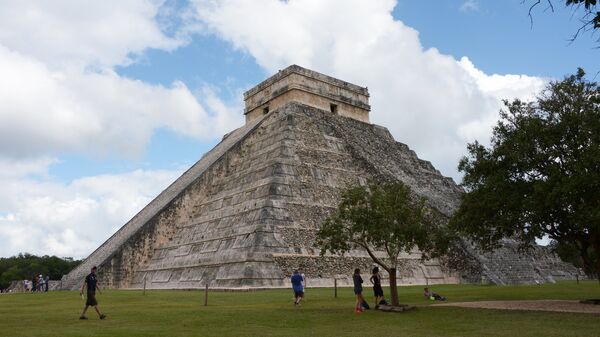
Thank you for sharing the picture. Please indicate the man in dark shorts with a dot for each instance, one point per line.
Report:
(92, 285)
(298, 287)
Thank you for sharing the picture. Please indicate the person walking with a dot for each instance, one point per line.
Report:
(46, 281)
(91, 282)
(40, 283)
(357, 279)
(377, 290)
(298, 287)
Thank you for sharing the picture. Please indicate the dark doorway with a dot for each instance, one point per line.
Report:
(333, 108)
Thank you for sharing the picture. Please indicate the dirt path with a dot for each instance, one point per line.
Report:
(541, 305)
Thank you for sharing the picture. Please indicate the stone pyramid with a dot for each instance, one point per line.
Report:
(246, 214)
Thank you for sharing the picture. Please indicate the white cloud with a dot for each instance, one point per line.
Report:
(429, 100)
(45, 112)
(68, 34)
(59, 92)
(11, 168)
(225, 115)
(49, 217)
(502, 87)
(469, 6)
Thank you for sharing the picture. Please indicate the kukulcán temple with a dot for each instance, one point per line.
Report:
(246, 214)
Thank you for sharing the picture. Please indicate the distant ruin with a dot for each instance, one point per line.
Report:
(246, 214)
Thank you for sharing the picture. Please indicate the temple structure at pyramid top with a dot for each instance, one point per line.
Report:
(308, 87)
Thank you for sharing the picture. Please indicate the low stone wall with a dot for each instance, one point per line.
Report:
(19, 287)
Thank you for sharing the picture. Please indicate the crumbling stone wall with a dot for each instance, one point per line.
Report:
(126, 235)
(254, 214)
(509, 265)
(334, 153)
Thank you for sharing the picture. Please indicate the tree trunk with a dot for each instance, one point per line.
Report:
(596, 246)
(598, 265)
(393, 287)
(588, 266)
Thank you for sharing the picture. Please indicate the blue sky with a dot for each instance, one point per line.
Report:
(103, 107)
(499, 38)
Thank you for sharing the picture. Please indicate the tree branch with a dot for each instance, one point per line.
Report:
(530, 10)
(589, 20)
(375, 258)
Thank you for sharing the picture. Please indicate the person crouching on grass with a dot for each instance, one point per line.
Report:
(358, 290)
(92, 285)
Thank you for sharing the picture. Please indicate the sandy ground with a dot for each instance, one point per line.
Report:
(542, 305)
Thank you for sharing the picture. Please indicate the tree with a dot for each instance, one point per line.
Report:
(24, 266)
(570, 252)
(383, 217)
(590, 19)
(541, 175)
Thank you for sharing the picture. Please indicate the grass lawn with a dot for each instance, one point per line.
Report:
(272, 313)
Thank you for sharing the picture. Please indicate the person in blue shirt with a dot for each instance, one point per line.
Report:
(297, 286)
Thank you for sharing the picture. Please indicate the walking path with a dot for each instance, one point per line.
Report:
(539, 305)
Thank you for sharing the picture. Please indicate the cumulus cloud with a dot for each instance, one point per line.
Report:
(80, 34)
(60, 93)
(45, 216)
(45, 111)
(429, 100)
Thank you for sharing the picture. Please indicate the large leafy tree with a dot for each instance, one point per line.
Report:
(541, 175)
(385, 217)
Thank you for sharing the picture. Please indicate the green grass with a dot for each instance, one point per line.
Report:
(271, 313)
